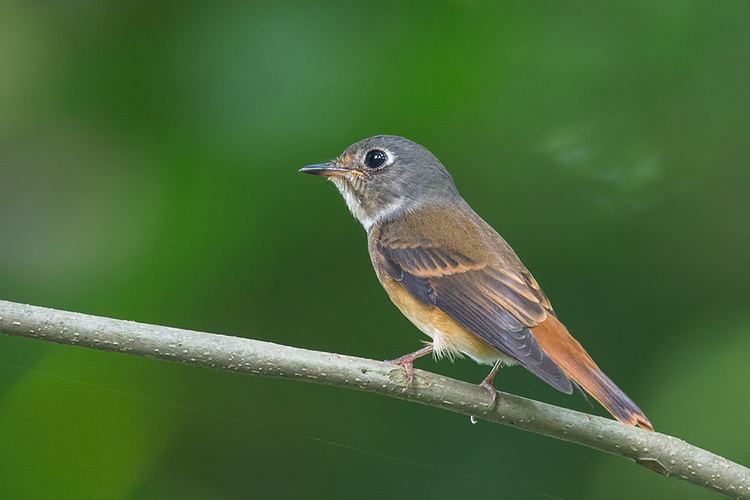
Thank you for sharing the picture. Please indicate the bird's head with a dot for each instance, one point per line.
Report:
(382, 176)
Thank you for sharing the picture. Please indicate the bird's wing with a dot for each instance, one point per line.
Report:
(493, 297)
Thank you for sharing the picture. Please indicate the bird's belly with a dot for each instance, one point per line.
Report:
(448, 337)
(453, 343)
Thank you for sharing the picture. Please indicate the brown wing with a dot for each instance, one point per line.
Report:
(498, 303)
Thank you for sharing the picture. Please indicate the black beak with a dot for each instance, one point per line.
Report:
(324, 169)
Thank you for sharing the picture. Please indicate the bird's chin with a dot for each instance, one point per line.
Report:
(347, 186)
(345, 180)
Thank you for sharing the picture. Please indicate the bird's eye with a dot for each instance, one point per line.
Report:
(375, 158)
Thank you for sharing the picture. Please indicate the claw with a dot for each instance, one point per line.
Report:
(487, 383)
(493, 393)
(407, 361)
(408, 365)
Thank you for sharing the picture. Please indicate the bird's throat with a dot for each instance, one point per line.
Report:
(366, 211)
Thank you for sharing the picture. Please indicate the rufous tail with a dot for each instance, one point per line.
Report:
(555, 340)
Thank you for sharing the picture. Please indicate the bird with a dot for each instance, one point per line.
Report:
(454, 277)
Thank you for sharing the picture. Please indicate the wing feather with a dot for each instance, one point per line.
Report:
(496, 304)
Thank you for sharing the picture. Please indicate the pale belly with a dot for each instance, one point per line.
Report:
(449, 339)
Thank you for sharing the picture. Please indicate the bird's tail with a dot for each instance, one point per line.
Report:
(555, 340)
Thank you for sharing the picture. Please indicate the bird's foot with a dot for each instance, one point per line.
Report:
(487, 382)
(493, 392)
(408, 366)
(407, 361)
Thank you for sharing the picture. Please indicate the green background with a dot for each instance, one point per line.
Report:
(148, 158)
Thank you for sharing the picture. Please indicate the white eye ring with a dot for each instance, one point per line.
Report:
(375, 159)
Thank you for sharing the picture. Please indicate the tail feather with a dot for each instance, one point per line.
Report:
(555, 340)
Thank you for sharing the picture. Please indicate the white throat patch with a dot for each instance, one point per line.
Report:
(356, 208)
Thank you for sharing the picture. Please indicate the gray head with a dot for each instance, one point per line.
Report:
(385, 175)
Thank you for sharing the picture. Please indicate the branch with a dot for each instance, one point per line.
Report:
(661, 453)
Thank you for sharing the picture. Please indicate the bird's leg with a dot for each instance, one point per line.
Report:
(407, 361)
(487, 382)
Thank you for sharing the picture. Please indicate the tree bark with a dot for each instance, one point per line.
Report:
(661, 453)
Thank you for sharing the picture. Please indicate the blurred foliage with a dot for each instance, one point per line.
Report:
(148, 156)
